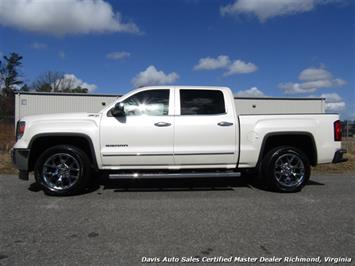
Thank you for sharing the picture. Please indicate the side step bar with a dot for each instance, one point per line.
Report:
(176, 175)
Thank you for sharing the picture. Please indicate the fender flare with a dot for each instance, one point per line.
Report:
(298, 133)
(81, 135)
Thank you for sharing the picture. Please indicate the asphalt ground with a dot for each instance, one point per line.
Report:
(126, 222)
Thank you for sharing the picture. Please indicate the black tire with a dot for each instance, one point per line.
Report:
(285, 169)
(63, 170)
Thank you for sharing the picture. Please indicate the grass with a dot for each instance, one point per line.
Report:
(7, 136)
(6, 166)
(349, 166)
(7, 140)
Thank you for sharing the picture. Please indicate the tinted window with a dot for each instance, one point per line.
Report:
(201, 102)
(152, 102)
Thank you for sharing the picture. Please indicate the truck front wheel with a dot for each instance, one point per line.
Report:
(62, 170)
(286, 169)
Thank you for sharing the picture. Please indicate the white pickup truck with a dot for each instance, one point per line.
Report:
(175, 132)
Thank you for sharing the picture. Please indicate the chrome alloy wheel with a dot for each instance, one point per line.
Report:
(60, 171)
(289, 170)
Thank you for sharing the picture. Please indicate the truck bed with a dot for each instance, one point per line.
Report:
(254, 130)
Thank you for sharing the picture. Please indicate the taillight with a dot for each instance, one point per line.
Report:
(337, 130)
(20, 129)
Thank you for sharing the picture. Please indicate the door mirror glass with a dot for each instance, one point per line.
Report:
(118, 110)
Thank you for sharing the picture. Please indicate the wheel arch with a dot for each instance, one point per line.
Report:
(303, 141)
(43, 141)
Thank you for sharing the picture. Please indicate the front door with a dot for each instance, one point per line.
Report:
(143, 137)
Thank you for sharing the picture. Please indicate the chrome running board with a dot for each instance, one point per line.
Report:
(175, 175)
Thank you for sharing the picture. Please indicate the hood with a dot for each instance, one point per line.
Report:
(60, 116)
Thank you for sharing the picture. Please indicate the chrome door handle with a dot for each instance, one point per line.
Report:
(162, 124)
(225, 124)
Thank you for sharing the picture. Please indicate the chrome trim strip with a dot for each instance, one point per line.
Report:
(168, 154)
(206, 153)
(124, 165)
(138, 154)
(176, 175)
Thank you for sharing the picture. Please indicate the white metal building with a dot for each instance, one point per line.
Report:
(33, 103)
(272, 105)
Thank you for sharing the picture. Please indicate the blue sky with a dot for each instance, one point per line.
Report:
(293, 48)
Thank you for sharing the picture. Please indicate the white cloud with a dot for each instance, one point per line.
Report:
(223, 61)
(312, 73)
(209, 63)
(252, 92)
(305, 87)
(119, 55)
(63, 17)
(240, 67)
(331, 97)
(75, 82)
(38, 45)
(339, 82)
(151, 76)
(333, 102)
(311, 79)
(266, 9)
(335, 107)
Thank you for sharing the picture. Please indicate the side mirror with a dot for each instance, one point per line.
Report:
(118, 110)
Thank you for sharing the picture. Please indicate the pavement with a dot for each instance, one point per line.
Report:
(131, 222)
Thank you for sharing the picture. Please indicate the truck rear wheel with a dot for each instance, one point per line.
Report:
(62, 170)
(286, 169)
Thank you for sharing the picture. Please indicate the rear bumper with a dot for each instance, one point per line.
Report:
(20, 158)
(338, 156)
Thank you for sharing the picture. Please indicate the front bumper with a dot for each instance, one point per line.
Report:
(338, 156)
(20, 158)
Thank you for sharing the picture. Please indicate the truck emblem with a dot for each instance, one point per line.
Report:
(117, 145)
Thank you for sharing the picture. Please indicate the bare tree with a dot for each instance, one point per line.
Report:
(52, 81)
(48, 82)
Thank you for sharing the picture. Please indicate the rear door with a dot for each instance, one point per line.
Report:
(205, 128)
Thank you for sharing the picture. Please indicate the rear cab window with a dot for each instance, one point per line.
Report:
(201, 102)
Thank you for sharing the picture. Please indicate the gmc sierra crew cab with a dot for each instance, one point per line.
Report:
(174, 131)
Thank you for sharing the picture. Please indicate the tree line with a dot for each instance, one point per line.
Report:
(11, 81)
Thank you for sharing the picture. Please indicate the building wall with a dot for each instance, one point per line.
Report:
(279, 106)
(47, 103)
